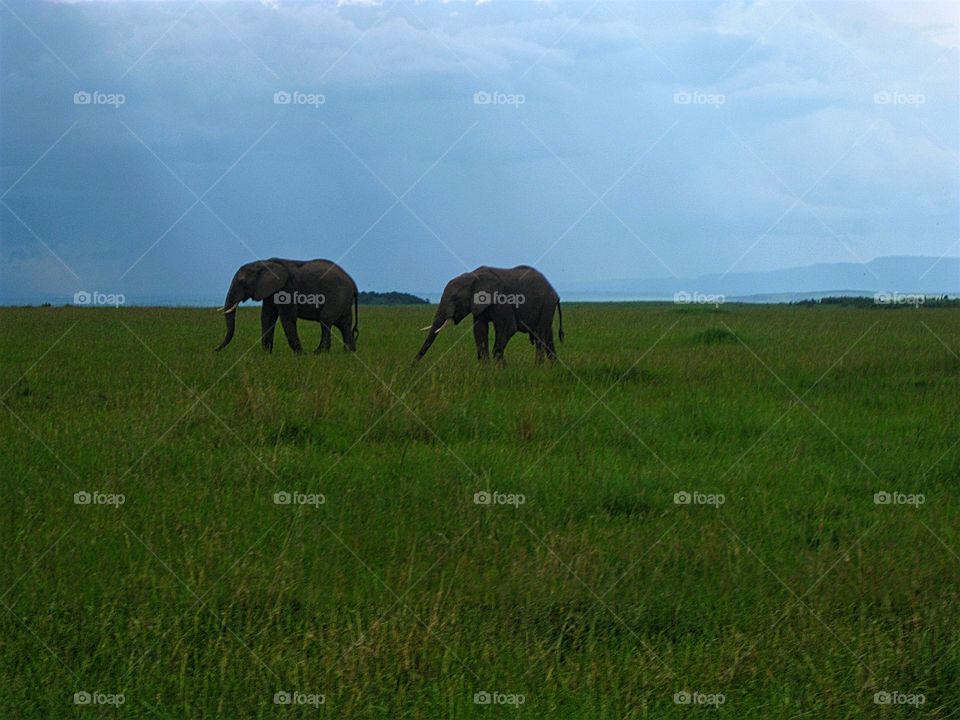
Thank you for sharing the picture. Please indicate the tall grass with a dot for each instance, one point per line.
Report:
(598, 596)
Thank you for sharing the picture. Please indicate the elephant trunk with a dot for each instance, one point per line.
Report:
(440, 321)
(231, 318)
(234, 298)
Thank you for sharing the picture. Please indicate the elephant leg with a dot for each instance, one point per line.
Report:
(542, 338)
(503, 333)
(539, 347)
(345, 326)
(288, 319)
(268, 323)
(481, 336)
(548, 346)
(536, 339)
(325, 336)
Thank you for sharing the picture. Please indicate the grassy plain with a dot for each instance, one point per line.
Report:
(401, 597)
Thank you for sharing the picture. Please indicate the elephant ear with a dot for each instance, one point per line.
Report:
(273, 276)
(483, 291)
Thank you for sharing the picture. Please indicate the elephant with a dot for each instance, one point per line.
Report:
(317, 290)
(518, 299)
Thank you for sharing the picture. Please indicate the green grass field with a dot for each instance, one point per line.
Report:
(599, 596)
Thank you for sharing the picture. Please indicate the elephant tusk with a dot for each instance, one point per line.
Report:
(424, 329)
(227, 312)
(448, 322)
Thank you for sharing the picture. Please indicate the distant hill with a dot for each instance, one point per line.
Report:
(391, 298)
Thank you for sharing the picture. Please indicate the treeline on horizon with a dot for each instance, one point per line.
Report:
(942, 301)
(390, 298)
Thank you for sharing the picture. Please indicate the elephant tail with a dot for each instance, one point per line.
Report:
(560, 313)
(356, 316)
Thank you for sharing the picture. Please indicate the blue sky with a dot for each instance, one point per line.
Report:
(642, 140)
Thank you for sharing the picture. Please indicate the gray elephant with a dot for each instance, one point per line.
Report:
(318, 290)
(518, 299)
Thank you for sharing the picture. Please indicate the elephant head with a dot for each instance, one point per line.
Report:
(469, 293)
(256, 281)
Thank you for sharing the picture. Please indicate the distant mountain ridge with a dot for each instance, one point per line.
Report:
(907, 274)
